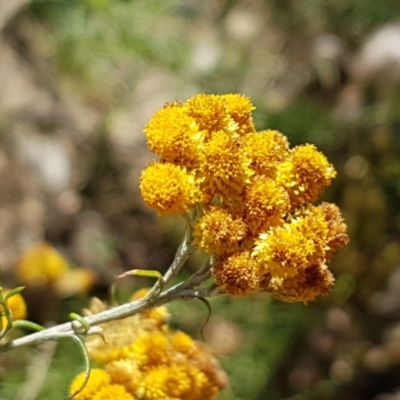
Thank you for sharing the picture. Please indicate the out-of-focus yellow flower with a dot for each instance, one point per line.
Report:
(112, 392)
(17, 306)
(97, 379)
(74, 281)
(41, 265)
(151, 362)
(168, 188)
(217, 231)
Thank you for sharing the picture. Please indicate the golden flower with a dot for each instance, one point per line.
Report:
(236, 274)
(285, 250)
(305, 174)
(210, 112)
(126, 372)
(239, 107)
(224, 168)
(112, 392)
(182, 342)
(42, 265)
(266, 149)
(168, 188)
(313, 281)
(97, 379)
(174, 135)
(151, 349)
(217, 231)
(337, 236)
(266, 204)
(17, 307)
(120, 335)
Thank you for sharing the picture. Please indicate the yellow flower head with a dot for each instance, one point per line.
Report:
(236, 274)
(337, 236)
(17, 306)
(286, 250)
(42, 265)
(210, 112)
(309, 283)
(266, 204)
(168, 188)
(266, 149)
(223, 167)
(239, 107)
(120, 335)
(305, 174)
(97, 379)
(217, 231)
(174, 135)
(112, 392)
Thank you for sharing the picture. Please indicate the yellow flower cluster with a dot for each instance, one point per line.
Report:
(255, 195)
(143, 359)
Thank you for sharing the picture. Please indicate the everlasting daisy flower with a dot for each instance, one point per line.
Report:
(239, 107)
(210, 112)
(223, 167)
(112, 392)
(174, 135)
(97, 379)
(305, 174)
(168, 188)
(286, 250)
(253, 195)
(266, 204)
(218, 231)
(313, 281)
(237, 274)
(266, 149)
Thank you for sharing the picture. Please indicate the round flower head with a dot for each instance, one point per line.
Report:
(97, 379)
(210, 112)
(266, 149)
(266, 204)
(174, 135)
(168, 188)
(236, 274)
(309, 283)
(112, 392)
(239, 107)
(217, 231)
(224, 168)
(305, 174)
(285, 250)
(42, 265)
(17, 306)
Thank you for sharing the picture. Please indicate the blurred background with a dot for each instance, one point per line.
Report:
(79, 79)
